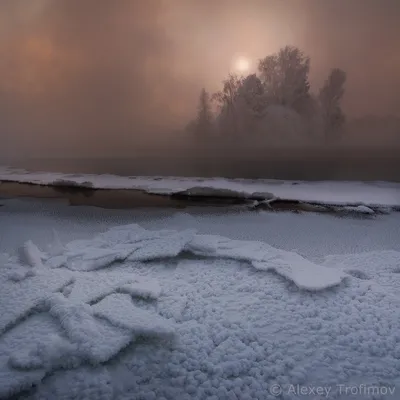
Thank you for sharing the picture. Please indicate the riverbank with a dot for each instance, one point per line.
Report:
(79, 195)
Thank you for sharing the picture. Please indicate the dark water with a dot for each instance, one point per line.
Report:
(316, 164)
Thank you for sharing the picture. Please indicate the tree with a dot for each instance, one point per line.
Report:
(226, 97)
(204, 121)
(285, 77)
(330, 97)
(249, 105)
(226, 100)
(251, 94)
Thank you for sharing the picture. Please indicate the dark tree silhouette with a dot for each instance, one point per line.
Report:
(204, 121)
(285, 77)
(330, 97)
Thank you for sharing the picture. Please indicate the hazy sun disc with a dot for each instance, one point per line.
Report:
(242, 64)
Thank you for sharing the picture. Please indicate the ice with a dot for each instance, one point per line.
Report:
(210, 191)
(18, 299)
(55, 248)
(52, 351)
(241, 333)
(82, 383)
(238, 329)
(19, 274)
(13, 343)
(93, 339)
(38, 347)
(359, 209)
(119, 311)
(303, 273)
(88, 338)
(218, 246)
(381, 269)
(145, 289)
(79, 333)
(31, 255)
(95, 258)
(162, 247)
(91, 287)
(371, 194)
(132, 243)
(290, 265)
(87, 334)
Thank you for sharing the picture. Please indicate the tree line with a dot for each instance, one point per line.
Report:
(275, 101)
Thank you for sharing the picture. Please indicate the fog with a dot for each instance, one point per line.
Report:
(105, 77)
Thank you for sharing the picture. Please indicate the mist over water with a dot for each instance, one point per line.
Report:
(110, 86)
(284, 164)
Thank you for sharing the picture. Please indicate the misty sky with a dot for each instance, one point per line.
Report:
(120, 72)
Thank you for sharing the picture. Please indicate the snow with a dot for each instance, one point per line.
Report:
(363, 266)
(119, 311)
(372, 194)
(359, 209)
(92, 287)
(19, 298)
(91, 338)
(31, 255)
(205, 320)
(85, 333)
(132, 243)
(149, 290)
(292, 266)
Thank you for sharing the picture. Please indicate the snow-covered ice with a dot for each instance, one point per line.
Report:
(133, 243)
(94, 322)
(199, 306)
(354, 194)
(359, 209)
(19, 298)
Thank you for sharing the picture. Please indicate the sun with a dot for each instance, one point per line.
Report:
(242, 65)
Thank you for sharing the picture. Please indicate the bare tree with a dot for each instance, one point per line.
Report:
(330, 97)
(285, 77)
